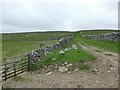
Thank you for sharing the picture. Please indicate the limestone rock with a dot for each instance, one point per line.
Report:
(49, 73)
(62, 52)
(66, 49)
(76, 69)
(53, 58)
(74, 46)
(68, 65)
(114, 36)
(63, 69)
(95, 69)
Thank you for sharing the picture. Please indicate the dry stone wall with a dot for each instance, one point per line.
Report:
(114, 36)
(43, 50)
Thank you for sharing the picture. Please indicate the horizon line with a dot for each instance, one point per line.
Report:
(61, 30)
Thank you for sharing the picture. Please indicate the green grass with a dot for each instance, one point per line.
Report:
(13, 48)
(107, 45)
(78, 55)
(32, 36)
(20, 43)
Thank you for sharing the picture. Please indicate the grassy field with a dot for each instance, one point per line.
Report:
(21, 43)
(34, 36)
(107, 45)
(13, 48)
(78, 55)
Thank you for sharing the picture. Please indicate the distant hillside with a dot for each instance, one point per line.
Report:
(96, 32)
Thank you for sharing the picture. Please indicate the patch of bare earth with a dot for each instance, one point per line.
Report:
(103, 73)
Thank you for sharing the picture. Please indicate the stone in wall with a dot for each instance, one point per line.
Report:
(114, 36)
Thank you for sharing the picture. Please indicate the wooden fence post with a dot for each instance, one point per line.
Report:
(5, 69)
(22, 64)
(29, 61)
(14, 68)
(45, 54)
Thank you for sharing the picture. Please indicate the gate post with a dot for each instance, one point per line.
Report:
(29, 61)
(45, 53)
(5, 69)
(14, 68)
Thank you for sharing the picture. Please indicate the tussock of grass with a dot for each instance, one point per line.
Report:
(84, 67)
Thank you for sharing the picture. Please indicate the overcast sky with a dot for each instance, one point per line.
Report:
(38, 15)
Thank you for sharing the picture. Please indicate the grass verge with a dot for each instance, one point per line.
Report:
(107, 45)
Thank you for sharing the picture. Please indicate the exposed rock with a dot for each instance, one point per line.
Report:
(56, 66)
(49, 73)
(63, 65)
(108, 71)
(114, 36)
(69, 72)
(109, 54)
(95, 69)
(74, 46)
(69, 65)
(62, 52)
(66, 63)
(70, 49)
(66, 49)
(63, 69)
(112, 68)
(76, 69)
(51, 65)
(97, 81)
(53, 58)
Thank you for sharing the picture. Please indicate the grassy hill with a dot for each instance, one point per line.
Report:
(96, 32)
(35, 36)
(21, 43)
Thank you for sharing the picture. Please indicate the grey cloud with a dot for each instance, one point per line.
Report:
(44, 15)
(57, 15)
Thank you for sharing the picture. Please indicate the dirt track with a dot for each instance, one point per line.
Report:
(105, 74)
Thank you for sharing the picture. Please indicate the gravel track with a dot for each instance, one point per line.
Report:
(102, 74)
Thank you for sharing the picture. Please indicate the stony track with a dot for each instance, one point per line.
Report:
(102, 74)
